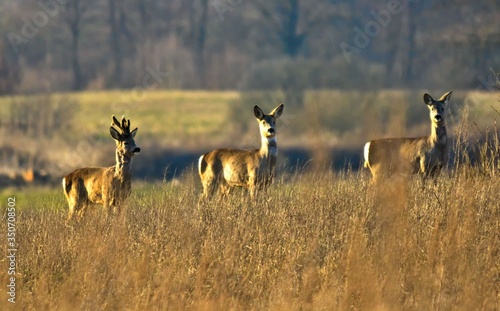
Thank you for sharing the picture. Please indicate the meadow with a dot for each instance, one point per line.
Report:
(59, 132)
(318, 240)
(322, 241)
(190, 119)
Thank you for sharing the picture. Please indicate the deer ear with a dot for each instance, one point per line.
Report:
(259, 114)
(134, 132)
(445, 98)
(428, 99)
(276, 113)
(114, 133)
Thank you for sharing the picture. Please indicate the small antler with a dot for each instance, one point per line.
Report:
(124, 123)
(124, 126)
(114, 121)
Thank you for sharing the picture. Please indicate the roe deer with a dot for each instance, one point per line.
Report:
(222, 169)
(425, 155)
(109, 186)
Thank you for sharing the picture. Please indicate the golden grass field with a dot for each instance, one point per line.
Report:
(318, 240)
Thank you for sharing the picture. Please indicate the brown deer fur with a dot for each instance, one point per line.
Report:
(109, 186)
(425, 155)
(223, 169)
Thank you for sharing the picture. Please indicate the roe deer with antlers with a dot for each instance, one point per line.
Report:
(425, 155)
(109, 186)
(222, 169)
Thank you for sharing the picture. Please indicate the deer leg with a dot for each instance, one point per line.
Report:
(225, 189)
(208, 189)
(204, 194)
(252, 187)
(71, 211)
(429, 171)
(213, 185)
(112, 208)
(434, 173)
(71, 206)
(106, 202)
(115, 205)
(211, 188)
(116, 209)
(80, 212)
(376, 175)
(252, 191)
(75, 202)
(262, 192)
(202, 198)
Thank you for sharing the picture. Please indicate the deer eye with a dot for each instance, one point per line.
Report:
(125, 143)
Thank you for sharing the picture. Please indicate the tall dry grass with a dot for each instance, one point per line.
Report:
(316, 241)
(319, 241)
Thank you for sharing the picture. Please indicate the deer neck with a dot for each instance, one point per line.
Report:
(122, 167)
(438, 134)
(269, 148)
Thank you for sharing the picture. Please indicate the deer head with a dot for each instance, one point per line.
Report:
(267, 122)
(436, 107)
(125, 144)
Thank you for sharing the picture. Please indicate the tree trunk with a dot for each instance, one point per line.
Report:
(200, 40)
(78, 83)
(292, 40)
(144, 33)
(75, 10)
(283, 16)
(9, 70)
(114, 39)
(413, 11)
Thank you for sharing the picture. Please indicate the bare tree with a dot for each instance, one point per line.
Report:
(114, 39)
(9, 69)
(73, 17)
(414, 12)
(284, 18)
(117, 20)
(198, 13)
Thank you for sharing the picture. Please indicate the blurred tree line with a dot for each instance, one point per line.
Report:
(59, 45)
